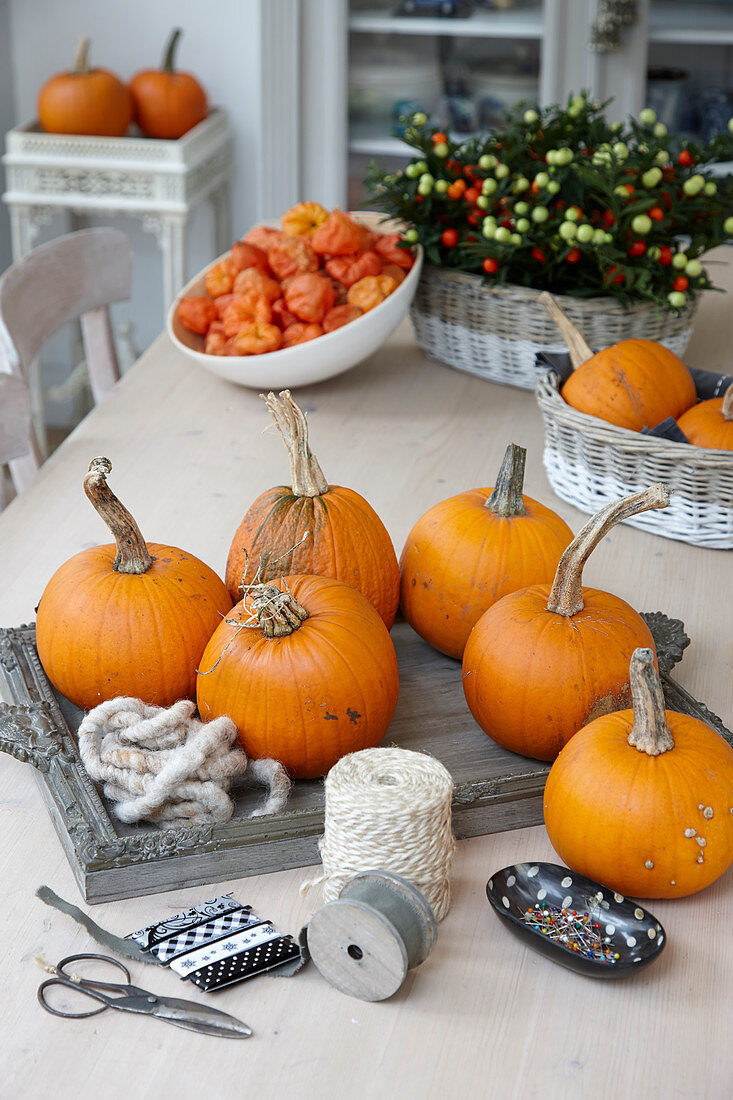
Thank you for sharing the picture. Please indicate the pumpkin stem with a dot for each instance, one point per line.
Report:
(506, 496)
(169, 53)
(650, 733)
(132, 555)
(573, 337)
(81, 62)
(305, 473)
(566, 594)
(727, 409)
(275, 611)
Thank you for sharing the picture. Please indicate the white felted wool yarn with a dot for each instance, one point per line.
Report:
(389, 809)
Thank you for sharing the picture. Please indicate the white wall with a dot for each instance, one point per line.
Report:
(220, 44)
(7, 116)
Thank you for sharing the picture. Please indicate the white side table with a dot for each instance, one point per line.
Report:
(159, 182)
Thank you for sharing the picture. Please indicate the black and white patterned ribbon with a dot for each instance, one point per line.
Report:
(189, 918)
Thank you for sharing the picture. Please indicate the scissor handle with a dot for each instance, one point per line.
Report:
(88, 986)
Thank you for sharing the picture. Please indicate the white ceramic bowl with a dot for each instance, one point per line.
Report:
(327, 355)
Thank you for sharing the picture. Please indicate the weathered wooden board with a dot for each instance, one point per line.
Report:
(494, 789)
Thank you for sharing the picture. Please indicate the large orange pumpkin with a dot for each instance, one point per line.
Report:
(127, 619)
(710, 423)
(467, 552)
(642, 800)
(546, 660)
(85, 100)
(168, 103)
(307, 671)
(313, 527)
(635, 384)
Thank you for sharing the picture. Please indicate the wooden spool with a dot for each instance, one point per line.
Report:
(379, 927)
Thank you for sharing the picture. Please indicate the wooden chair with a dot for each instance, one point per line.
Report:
(15, 427)
(75, 276)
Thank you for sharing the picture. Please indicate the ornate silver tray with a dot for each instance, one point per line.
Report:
(494, 789)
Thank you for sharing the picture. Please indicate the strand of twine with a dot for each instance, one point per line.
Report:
(388, 809)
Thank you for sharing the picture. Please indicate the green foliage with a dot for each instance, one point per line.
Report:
(555, 160)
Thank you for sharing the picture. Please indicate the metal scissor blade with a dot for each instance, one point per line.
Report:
(197, 1017)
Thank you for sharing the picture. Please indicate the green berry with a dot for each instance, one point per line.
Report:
(550, 156)
(578, 101)
(662, 157)
(482, 202)
(522, 225)
(654, 252)
(660, 130)
(641, 224)
(502, 171)
(652, 177)
(488, 229)
(621, 191)
(412, 171)
(411, 236)
(573, 215)
(530, 117)
(541, 214)
(487, 161)
(502, 234)
(441, 186)
(585, 233)
(427, 178)
(615, 127)
(542, 179)
(607, 238)
(520, 184)
(489, 186)
(425, 185)
(679, 260)
(730, 125)
(515, 238)
(694, 185)
(553, 187)
(728, 227)
(599, 236)
(693, 268)
(573, 112)
(621, 150)
(441, 150)
(710, 188)
(565, 156)
(568, 231)
(521, 208)
(421, 165)
(419, 119)
(647, 117)
(676, 299)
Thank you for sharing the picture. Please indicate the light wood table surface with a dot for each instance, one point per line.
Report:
(483, 1016)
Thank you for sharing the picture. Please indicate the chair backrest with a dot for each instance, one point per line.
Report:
(15, 424)
(72, 277)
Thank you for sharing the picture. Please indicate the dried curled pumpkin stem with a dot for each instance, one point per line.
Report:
(573, 337)
(132, 552)
(506, 496)
(275, 610)
(305, 474)
(650, 733)
(169, 53)
(566, 594)
(81, 58)
(727, 408)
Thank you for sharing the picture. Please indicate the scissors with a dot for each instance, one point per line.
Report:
(130, 998)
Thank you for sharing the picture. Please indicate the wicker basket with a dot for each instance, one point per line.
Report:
(589, 463)
(495, 332)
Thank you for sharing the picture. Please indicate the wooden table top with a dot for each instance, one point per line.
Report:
(484, 1015)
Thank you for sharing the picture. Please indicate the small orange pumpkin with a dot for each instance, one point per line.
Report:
(85, 100)
(710, 423)
(642, 800)
(307, 671)
(546, 660)
(635, 384)
(467, 552)
(168, 103)
(314, 527)
(127, 619)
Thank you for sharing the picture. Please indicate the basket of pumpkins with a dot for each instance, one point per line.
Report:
(634, 413)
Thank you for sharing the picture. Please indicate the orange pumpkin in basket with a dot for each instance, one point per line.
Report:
(306, 670)
(710, 423)
(314, 527)
(127, 619)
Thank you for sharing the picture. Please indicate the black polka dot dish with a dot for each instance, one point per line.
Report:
(575, 921)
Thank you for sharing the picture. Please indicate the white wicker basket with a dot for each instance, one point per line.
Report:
(496, 331)
(590, 463)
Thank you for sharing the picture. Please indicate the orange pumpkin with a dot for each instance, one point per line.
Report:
(306, 670)
(309, 297)
(642, 800)
(338, 235)
(127, 619)
(314, 527)
(85, 100)
(370, 291)
(467, 552)
(635, 384)
(710, 423)
(303, 219)
(546, 660)
(168, 103)
(197, 313)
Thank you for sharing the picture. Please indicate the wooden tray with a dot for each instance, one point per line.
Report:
(494, 789)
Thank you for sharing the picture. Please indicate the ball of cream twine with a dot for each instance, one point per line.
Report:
(389, 809)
